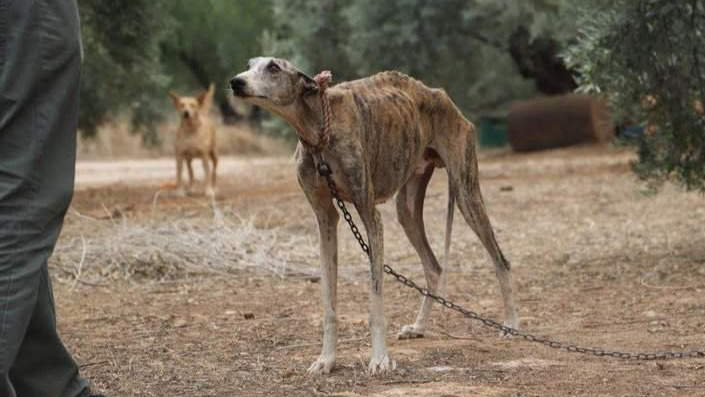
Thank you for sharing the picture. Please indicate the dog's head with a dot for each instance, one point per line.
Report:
(189, 107)
(272, 83)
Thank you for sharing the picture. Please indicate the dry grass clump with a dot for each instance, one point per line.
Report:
(170, 247)
(113, 140)
(244, 140)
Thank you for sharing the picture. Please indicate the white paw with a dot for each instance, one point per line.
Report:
(322, 366)
(381, 365)
(210, 192)
(410, 332)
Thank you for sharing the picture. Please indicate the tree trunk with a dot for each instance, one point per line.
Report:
(538, 59)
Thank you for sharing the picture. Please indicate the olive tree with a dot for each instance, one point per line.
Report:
(646, 56)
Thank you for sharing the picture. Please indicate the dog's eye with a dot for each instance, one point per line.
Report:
(273, 68)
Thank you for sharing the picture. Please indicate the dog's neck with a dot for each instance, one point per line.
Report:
(305, 116)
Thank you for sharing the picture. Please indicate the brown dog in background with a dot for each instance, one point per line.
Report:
(195, 139)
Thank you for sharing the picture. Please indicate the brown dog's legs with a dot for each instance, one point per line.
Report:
(371, 218)
(179, 176)
(189, 188)
(463, 171)
(210, 191)
(327, 216)
(410, 200)
(214, 158)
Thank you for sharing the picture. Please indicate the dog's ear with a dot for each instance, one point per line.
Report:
(206, 98)
(309, 84)
(174, 98)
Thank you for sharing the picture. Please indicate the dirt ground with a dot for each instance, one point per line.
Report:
(597, 261)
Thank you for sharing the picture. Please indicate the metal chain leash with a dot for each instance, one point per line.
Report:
(325, 171)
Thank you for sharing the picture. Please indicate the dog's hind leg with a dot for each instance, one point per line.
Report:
(214, 158)
(449, 231)
(461, 161)
(410, 200)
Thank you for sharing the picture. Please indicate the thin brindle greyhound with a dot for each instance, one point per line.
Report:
(388, 134)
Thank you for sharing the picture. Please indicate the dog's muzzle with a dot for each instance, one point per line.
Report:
(238, 85)
(186, 115)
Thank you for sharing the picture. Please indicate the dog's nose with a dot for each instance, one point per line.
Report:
(237, 84)
(186, 114)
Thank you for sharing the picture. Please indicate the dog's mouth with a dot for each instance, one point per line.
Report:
(241, 93)
(244, 95)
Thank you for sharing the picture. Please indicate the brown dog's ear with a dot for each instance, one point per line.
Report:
(206, 98)
(309, 84)
(174, 98)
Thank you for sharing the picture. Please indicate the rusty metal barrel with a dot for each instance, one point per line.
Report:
(558, 121)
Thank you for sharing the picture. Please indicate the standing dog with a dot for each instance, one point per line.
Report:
(195, 139)
(388, 134)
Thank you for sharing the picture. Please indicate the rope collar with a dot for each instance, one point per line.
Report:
(322, 79)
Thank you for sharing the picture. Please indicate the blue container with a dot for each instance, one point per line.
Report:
(492, 132)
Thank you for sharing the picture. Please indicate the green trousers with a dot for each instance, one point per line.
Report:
(40, 60)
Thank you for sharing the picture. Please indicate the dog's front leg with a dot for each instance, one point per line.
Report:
(210, 190)
(179, 173)
(327, 217)
(327, 226)
(379, 361)
(189, 168)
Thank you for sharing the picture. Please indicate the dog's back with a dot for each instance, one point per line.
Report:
(395, 102)
(395, 116)
(392, 86)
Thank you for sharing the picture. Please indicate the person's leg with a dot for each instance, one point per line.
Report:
(39, 80)
(43, 366)
(33, 360)
(18, 295)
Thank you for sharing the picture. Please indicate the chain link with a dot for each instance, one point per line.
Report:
(325, 171)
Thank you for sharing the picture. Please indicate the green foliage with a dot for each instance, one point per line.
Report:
(459, 45)
(312, 34)
(646, 56)
(211, 39)
(121, 70)
(136, 50)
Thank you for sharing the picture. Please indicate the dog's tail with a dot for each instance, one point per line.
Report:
(449, 231)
